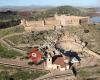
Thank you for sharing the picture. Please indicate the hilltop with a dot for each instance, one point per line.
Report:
(23, 8)
(16, 43)
(50, 12)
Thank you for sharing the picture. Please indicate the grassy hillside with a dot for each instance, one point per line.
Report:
(90, 73)
(68, 10)
(9, 73)
(90, 34)
(5, 53)
(11, 30)
(87, 33)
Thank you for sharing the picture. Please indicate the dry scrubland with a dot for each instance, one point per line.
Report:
(86, 33)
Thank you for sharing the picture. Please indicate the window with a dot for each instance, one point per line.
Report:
(49, 59)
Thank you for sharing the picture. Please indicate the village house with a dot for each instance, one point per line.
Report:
(60, 62)
(55, 22)
(57, 61)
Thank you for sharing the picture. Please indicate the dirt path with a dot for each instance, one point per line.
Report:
(11, 47)
(15, 34)
(56, 75)
(17, 63)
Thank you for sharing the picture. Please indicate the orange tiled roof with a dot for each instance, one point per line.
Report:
(59, 60)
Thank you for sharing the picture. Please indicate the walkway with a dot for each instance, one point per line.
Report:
(12, 47)
(20, 64)
(56, 75)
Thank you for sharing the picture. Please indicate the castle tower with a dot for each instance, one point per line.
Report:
(24, 22)
(49, 61)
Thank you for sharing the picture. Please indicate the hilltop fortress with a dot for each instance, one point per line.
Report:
(55, 22)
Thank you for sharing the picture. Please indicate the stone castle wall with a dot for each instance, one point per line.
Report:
(71, 20)
(55, 21)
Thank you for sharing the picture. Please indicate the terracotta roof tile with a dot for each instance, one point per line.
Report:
(59, 60)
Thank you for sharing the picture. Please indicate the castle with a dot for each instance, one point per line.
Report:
(55, 22)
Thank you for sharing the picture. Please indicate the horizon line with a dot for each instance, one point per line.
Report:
(45, 5)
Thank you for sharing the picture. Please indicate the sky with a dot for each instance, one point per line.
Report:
(85, 3)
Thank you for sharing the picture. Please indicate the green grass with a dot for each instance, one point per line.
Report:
(34, 39)
(17, 39)
(92, 37)
(84, 73)
(5, 53)
(19, 74)
(24, 75)
(4, 20)
(11, 30)
(28, 49)
(88, 72)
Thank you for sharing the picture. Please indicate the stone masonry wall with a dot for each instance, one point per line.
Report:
(57, 21)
